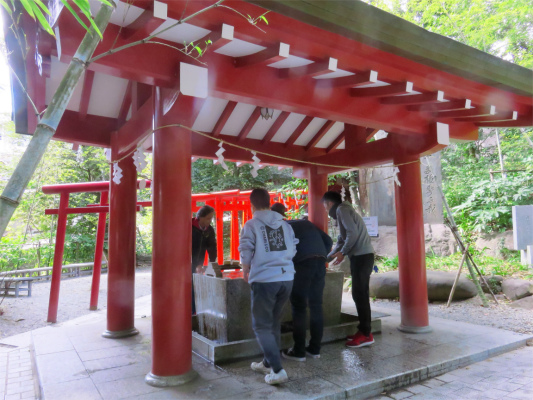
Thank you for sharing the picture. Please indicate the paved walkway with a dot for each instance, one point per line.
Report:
(509, 376)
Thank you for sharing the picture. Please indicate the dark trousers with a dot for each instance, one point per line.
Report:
(361, 267)
(268, 299)
(307, 289)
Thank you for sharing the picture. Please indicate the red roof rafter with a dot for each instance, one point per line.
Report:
(433, 97)
(336, 142)
(268, 56)
(275, 127)
(86, 93)
(298, 131)
(320, 134)
(315, 69)
(224, 118)
(383, 91)
(502, 116)
(256, 114)
(445, 106)
(143, 26)
(472, 112)
(126, 104)
(218, 38)
(522, 122)
(359, 79)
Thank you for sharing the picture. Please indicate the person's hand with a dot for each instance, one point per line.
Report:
(339, 258)
(246, 272)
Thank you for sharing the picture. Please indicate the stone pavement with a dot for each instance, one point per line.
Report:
(74, 362)
(17, 373)
(508, 376)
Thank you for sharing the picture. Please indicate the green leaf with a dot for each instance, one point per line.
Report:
(43, 7)
(84, 6)
(264, 19)
(27, 6)
(42, 19)
(75, 14)
(198, 49)
(209, 41)
(6, 6)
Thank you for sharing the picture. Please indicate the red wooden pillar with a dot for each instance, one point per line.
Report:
(58, 257)
(98, 251)
(234, 230)
(318, 185)
(411, 249)
(219, 217)
(121, 262)
(171, 258)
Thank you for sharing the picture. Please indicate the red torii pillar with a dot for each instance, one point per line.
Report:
(318, 185)
(411, 248)
(171, 255)
(121, 262)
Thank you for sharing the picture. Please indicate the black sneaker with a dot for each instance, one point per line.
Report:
(312, 355)
(291, 355)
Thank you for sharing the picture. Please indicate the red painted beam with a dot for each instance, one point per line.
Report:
(126, 104)
(275, 127)
(218, 38)
(383, 91)
(336, 142)
(268, 56)
(315, 69)
(298, 131)
(320, 134)
(521, 122)
(142, 27)
(224, 118)
(136, 128)
(433, 97)
(92, 131)
(445, 106)
(86, 93)
(473, 112)
(357, 135)
(363, 78)
(370, 132)
(501, 116)
(256, 114)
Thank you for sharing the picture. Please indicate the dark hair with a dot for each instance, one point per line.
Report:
(260, 199)
(279, 208)
(204, 211)
(332, 196)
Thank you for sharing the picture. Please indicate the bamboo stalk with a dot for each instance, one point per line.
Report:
(46, 128)
(457, 278)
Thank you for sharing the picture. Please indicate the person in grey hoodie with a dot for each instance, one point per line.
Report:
(353, 242)
(267, 247)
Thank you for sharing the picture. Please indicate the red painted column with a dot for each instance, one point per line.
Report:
(171, 259)
(318, 185)
(121, 262)
(219, 217)
(98, 251)
(58, 258)
(411, 249)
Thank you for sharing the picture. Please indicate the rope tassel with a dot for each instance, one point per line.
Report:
(255, 164)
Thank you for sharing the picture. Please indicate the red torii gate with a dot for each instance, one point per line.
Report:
(233, 201)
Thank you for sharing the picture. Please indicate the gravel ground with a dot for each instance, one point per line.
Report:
(24, 313)
(502, 316)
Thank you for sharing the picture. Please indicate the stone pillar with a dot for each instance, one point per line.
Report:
(411, 249)
(121, 262)
(318, 185)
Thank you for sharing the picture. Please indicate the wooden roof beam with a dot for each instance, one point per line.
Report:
(383, 91)
(320, 134)
(336, 143)
(472, 112)
(268, 56)
(256, 114)
(146, 23)
(275, 127)
(219, 38)
(465, 104)
(359, 79)
(524, 121)
(501, 116)
(315, 69)
(224, 118)
(86, 93)
(433, 97)
(298, 131)
(126, 104)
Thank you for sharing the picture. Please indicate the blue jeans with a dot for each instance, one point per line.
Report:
(268, 299)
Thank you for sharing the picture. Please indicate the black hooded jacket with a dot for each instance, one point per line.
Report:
(313, 242)
(202, 241)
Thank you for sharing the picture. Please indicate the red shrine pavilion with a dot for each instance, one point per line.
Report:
(327, 75)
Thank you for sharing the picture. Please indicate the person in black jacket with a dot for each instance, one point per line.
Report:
(309, 280)
(203, 239)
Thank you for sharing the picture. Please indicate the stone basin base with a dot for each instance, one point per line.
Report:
(219, 353)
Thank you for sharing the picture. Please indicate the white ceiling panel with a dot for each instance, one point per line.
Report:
(239, 48)
(309, 132)
(291, 62)
(375, 84)
(337, 74)
(209, 114)
(288, 127)
(58, 70)
(107, 95)
(261, 127)
(238, 118)
(123, 15)
(331, 135)
(182, 33)
(342, 146)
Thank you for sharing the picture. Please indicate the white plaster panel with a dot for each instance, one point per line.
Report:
(209, 114)
(58, 70)
(331, 135)
(238, 118)
(261, 127)
(375, 84)
(309, 132)
(290, 62)
(107, 95)
(239, 48)
(182, 33)
(288, 127)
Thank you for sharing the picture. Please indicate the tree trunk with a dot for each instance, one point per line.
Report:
(12, 194)
(363, 192)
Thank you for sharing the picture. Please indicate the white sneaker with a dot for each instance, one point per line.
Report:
(276, 379)
(260, 367)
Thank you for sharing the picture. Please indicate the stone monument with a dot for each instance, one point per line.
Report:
(523, 232)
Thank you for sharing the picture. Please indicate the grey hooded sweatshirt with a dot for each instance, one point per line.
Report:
(353, 239)
(268, 245)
